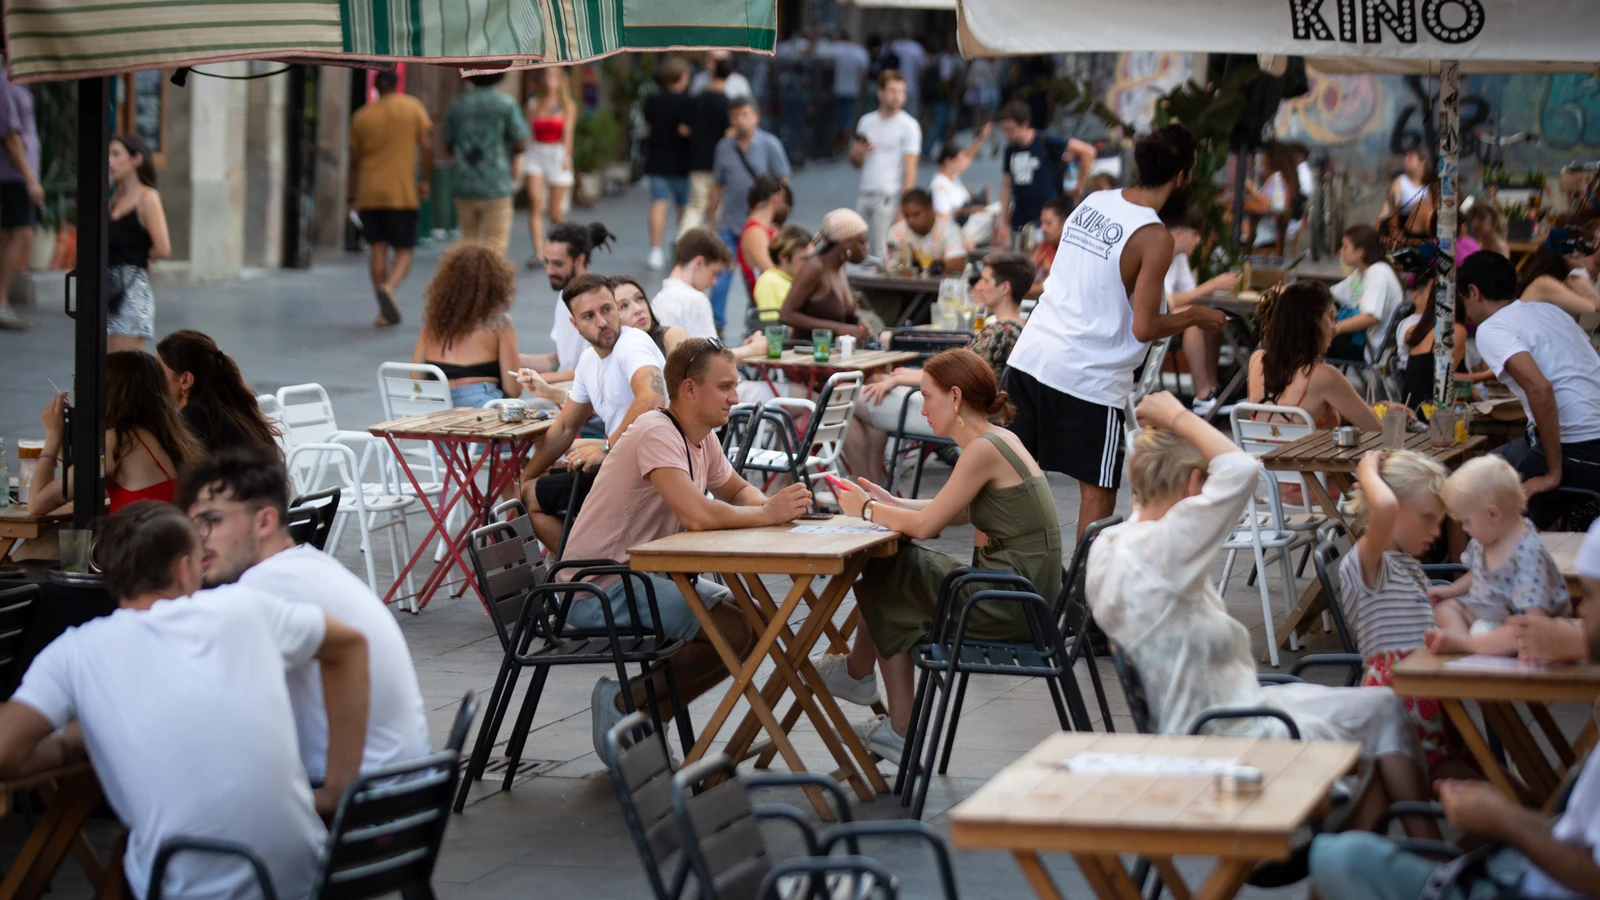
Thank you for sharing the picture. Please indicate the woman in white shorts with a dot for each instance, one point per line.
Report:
(547, 163)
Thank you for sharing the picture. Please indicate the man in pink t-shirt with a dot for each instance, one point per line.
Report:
(654, 484)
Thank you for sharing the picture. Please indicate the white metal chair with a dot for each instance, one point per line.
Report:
(1149, 382)
(823, 443)
(1286, 425)
(374, 505)
(273, 411)
(403, 395)
(1260, 531)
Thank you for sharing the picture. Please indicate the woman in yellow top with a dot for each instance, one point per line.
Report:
(790, 248)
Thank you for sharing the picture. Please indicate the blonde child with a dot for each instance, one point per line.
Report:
(1383, 590)
(1509, 571)
(791, 247)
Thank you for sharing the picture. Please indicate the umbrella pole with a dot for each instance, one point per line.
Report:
(1444, 286)
(94, 215)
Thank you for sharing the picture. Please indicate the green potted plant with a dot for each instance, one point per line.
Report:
(597, 138)
(1519, 224)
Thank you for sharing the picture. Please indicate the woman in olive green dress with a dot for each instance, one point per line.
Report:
(999, 489)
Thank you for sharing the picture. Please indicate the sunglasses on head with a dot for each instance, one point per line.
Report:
(710, 344)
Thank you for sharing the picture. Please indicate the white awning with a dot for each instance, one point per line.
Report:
(903, 4)
(1338, 35)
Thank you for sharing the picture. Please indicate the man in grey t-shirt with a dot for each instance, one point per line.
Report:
(739, 158)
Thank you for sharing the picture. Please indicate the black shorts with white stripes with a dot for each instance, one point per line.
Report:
(1067, 434)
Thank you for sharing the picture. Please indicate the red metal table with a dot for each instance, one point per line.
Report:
(468, 441)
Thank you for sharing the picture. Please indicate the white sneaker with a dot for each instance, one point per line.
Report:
(603, 712)
(658, 259)
(881, 739)
(836, 675)
(1203, 406)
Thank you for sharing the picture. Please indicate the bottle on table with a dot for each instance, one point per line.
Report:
(1463, 410)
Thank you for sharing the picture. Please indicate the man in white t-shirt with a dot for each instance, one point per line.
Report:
(1541, 354)
(736, 85)
(887, 146)
(567, 250)
(618, 377)
(179, 698)
(1072, 370)
(657, 484)
(1200, 347)
(239, 502)
(1538, 858)
(682, 301)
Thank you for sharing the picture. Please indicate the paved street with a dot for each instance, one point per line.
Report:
(558, 833)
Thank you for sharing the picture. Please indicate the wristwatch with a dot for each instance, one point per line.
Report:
(605, 446)
(866, 511)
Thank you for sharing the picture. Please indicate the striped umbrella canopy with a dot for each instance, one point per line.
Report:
(61, 39)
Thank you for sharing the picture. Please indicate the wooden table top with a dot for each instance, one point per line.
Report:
(1316, 452)
(1036, 803)
(862, 360)
(1426, 674)
(771, 550)
(908, 284)
(16, 523)
(467, 422)
(1240, 304)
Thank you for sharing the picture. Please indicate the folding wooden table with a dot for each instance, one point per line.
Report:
(71, 794)
(1496, 689)
(16, 525)
(741, 557)
(801, 365)
(1323, 461)
(467, 440)
(1037, 805)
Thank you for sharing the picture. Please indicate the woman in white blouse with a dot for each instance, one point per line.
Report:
(1367, 298)
(1151, 590)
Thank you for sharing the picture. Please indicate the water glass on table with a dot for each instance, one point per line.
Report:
(1395, 422)
(76, 547)
(821, 344)
(1442, 427)
(775, 336)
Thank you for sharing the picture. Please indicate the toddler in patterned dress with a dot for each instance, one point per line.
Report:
(1509, 571)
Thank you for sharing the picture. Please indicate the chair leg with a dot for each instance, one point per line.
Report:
(680, 713)
(1305, 556)
(519, 733)
(916, 480)
(366, 554)
(1055, 700)
(1290, 596)
(499, 698)
(1099, 688)
(955, 720)
(904, 786)
(1266, 608)
(1227, 571)
(925, 776)
(894, 465)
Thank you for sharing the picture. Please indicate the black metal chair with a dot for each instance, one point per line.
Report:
(1565, 508)
(385, 835)
(776, 423)
(18, 606)
(725, 851)
(830, 417)
(951, 655)
(311, 517)
(928, 343)
(1326, 560)
(542, 616)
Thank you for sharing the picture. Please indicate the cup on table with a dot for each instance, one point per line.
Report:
(29, 451)
(1394, 428)
(775, 335)
(847, 346)
(75, 547)
(1442, 427)
(821, 344)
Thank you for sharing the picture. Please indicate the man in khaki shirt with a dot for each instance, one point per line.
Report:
(387, 138)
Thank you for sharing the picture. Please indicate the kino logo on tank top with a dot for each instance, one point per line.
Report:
(1079, 339)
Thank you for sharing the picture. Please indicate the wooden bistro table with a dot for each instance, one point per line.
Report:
(17, 526)
(71, 794)
(801, 365)
(1037, 804)
(468, 441)
(919, 291)
(1496, 684)
(1318, 456)
(804, 551)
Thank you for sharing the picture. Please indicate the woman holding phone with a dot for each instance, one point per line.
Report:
(995, 486)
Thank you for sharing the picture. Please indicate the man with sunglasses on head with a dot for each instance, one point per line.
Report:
(238, 501)
(655, 484)
(618, 377)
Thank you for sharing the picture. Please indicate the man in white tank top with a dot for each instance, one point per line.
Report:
(1072, 370)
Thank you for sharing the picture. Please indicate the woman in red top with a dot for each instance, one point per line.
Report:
(770, 202)
(147, 440)
(547, 163)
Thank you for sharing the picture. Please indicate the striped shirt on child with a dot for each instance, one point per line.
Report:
(1391, 614)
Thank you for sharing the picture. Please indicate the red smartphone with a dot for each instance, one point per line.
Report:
(838, 484)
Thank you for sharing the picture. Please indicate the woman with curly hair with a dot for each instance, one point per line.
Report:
(211, 393)
(466, 327)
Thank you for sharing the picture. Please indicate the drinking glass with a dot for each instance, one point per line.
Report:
(1442, 427)
(821, 344)
(75, 545)
(775, 336)
(1394, 428)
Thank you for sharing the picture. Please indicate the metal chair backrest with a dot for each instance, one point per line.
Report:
(721, 839)
(272, 410)
(311, 517)
(1326, 559)
(1566, 508)
(315, 464)
(388, 827)
(642, 775)
(404, 394)
(778, 425)
(1074, 586)
(513, 513)
(1286, 425)
(500, 562)
(830, 422)
(739, 418)
(306, 414)
(18, 606)
(1133, 690)
(929, 342)
(462, 723)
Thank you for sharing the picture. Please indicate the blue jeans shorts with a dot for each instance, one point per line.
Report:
(476, 394)
(677, 620)
(669, 187)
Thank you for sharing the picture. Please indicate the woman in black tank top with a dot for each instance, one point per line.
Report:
(466, 326)
(138, 234)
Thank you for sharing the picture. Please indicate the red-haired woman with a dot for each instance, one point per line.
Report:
(997, 487)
